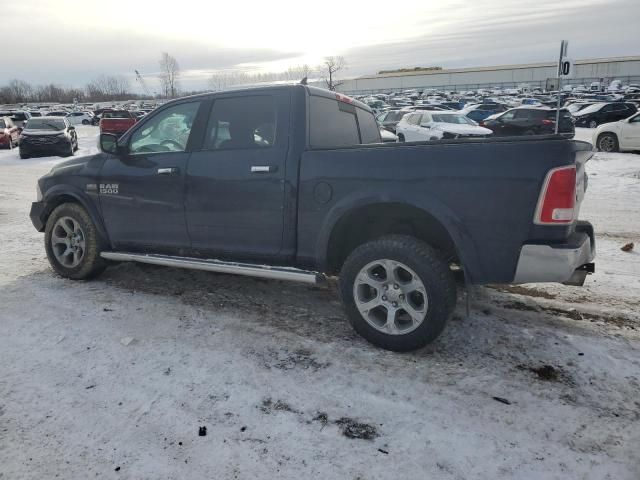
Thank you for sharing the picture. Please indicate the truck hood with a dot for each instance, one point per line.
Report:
(461, 129)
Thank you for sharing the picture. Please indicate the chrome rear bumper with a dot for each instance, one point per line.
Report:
(567, 263)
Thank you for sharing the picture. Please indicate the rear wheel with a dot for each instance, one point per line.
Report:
(398, 292)
(400, 137)
(72, 243)
(608, 142)
(85, 122)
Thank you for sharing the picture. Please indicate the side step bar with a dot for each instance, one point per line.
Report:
(250, 270)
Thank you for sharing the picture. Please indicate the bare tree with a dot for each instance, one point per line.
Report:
(103, 87)
(332, 66)
(169, 75)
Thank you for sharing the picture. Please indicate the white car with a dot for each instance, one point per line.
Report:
(623, 135)
(428, 125)
(76, 118)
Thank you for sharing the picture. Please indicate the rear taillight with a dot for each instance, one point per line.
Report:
(548, 122)
(557, 202)
(481, 123)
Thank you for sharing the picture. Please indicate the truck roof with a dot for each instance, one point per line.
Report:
(321, 92)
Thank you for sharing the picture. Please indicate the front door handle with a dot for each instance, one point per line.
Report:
(264, 168)
(167, 171)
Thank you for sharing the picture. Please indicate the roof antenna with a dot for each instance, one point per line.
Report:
(303, 81)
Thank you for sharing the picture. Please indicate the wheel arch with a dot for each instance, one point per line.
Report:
(60, 194)
(360, 220)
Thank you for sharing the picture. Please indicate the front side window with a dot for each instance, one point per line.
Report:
(242, 122)
(168, 131)
(369, 131)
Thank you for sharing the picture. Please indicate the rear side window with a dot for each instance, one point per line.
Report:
(332, 123)
(369, 132)
(242, 122)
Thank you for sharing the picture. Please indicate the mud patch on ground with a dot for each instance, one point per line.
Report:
(285, 360)
(353, 429)
(549, 373)
(520, 290)
(269, 406)
(573, 314)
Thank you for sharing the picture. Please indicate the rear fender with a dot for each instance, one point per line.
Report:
(464, 245)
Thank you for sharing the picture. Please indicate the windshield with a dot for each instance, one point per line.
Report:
(591, 108)
(45, 124)
(458, 119)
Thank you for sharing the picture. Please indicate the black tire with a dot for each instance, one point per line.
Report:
(85, 122)
(91, 263)
(24, 156)
(593, 124)
(607, 142)
(430, 268)
(71, 150)
(401, 137)
(529, 132)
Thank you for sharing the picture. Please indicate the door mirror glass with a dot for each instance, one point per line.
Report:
(108, 143)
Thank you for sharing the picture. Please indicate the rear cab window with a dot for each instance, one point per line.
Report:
(334, 123)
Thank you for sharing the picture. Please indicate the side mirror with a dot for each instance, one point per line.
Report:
(109, 143)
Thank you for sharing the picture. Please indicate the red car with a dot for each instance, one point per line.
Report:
(8, 133)
(117, 122)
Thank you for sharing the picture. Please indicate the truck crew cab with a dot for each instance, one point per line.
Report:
(291, 183)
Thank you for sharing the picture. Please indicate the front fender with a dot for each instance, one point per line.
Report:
(60, 193)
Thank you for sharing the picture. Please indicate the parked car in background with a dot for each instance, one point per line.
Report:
(477, 115)
(577, 106)
(48, 136)
(387, 137)
(426, 126)
(117, 121)
(8, 133)
(623, 135)
(19, 117)
(600, 113)
(390, 119)
(76, 118)
(58, 113)
(530, 121)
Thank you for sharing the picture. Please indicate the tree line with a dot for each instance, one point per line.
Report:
(104, 88)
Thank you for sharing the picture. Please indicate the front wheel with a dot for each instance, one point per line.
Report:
(72, 243)
(85, 122)
(593, 124)
(401, 137)
(398, 292)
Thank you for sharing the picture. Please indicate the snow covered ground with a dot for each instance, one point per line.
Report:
(113, 378)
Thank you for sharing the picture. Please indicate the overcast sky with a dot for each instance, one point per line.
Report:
(71, 41)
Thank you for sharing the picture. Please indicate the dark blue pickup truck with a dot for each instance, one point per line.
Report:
(291, 183)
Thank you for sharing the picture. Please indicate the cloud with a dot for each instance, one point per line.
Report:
(70, 42)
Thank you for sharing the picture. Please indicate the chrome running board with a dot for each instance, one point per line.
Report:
(250, 270)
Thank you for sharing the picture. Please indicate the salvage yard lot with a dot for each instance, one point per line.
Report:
(113, 378)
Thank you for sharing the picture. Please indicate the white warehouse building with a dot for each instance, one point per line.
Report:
(626, 69)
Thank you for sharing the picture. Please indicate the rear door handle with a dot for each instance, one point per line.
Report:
(167, 171)
(264, 168)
